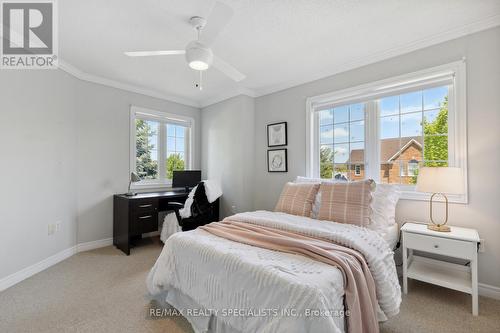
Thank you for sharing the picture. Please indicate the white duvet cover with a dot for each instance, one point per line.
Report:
(251, 289)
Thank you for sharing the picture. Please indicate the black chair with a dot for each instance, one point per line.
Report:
(202, 211)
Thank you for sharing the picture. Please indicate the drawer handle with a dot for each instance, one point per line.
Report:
(145, 217)
(144, 206)
(436, 246)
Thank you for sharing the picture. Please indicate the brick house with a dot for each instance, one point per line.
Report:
(399, 160)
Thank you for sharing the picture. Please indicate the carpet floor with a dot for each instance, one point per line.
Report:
(104, 291)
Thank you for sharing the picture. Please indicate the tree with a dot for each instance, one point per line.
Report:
(174, 162)
(146, 167)
(436, 138)
(326, 163)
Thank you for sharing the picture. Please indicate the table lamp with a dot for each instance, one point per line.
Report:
(134, 178)
(440, 181)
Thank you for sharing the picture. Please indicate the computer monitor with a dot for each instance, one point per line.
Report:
(186, 178)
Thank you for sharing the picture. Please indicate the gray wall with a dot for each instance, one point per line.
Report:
(64, 147)
(483, 98)
(37, 166)
(103, 151)
(228, 151)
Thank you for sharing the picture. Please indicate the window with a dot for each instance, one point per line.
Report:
(388, 129)
(160, 143)
(342, 136)
(413, 127)
(413, 168)
(357, 170)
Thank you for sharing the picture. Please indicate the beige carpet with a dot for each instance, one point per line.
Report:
(104, 291)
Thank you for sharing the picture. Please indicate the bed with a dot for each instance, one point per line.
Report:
(224, 286)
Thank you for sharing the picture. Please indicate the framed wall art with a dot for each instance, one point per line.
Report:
(277, 160)
(276, 134)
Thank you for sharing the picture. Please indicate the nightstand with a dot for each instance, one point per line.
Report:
(461, 243)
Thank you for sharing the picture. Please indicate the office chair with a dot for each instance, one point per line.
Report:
(202, 212)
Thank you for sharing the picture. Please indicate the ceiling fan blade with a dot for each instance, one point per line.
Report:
(154, 53)
(219, 17)
(227, 69)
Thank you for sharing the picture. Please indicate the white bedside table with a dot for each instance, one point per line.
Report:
(459, 243)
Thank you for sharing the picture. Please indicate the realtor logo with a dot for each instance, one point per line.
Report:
(29, 35)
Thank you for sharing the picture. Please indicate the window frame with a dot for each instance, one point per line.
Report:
(163, 118)
(454, 74)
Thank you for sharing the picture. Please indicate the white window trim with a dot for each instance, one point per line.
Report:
(164, 116)
(457, 101)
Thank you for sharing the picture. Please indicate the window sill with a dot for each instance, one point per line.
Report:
(151, 185)
(410, 194)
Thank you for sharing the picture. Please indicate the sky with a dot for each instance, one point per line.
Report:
(401, 113)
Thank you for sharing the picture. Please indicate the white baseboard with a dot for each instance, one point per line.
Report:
(82, 247)
(489, 291)
(29, 271)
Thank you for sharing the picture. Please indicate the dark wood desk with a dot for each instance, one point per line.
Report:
(134, 216)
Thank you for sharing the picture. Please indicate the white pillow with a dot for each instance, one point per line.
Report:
(383, 205)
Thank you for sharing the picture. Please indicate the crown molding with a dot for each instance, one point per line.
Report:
(227, 95)
(84, 76)
(464, 30)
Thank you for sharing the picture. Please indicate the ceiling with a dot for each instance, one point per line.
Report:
(276, 43)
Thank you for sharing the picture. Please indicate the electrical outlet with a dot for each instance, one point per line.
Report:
(234, 209)
(51, 229)
(481, 246)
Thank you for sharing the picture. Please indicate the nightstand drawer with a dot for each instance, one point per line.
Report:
(440, 245)
(144, 222)
(147, 205)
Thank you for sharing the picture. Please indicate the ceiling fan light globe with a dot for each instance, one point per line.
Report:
(198, 65)
(198, 56)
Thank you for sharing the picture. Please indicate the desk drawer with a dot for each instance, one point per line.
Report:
(144, 222)
(145, 205)
(440, 245)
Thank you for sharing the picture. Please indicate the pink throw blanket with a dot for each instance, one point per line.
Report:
(360, 297)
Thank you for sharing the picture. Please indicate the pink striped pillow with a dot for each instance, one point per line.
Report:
(297, 199)
(347, 202)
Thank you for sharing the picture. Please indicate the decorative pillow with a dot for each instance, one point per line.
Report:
(297, 199)
(317, 199)
(383, 206)
(347, 202)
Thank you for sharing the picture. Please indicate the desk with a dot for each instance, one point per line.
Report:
(136, 215)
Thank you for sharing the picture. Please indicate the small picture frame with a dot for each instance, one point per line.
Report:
(276, 134)
(277, 160)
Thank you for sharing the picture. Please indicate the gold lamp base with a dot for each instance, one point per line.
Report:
(439, 227)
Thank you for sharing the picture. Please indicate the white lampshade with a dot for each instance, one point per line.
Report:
(440, 180)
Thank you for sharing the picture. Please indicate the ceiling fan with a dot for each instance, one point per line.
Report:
(198, 54)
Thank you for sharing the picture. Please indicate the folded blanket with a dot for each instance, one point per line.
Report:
(360, 296)
(213, 191)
